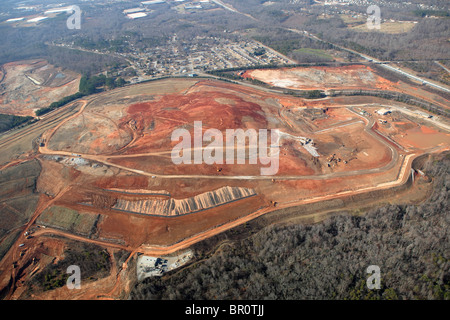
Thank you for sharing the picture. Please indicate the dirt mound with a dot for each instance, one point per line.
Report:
(108, 178)
(158, 119)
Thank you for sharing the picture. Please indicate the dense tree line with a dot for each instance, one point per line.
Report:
(90, 84)
(8, 121)
(307, 94)
(287, 42)
(410, 244)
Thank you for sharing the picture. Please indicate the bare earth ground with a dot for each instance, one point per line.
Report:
(116, 148)
(312, 78)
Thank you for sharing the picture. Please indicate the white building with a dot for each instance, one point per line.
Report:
(383, 112)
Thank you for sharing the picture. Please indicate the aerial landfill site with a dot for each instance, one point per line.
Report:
(137, 177)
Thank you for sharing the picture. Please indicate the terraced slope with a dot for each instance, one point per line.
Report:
(177, 207)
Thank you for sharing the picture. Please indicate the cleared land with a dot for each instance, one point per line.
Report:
(351, 78)
(321, 78)
(390, 27)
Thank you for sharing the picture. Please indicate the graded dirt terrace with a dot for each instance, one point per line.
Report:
(107, 177)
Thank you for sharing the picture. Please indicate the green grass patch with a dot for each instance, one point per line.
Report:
(68, 219)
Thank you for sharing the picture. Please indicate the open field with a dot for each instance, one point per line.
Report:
(107, 175)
